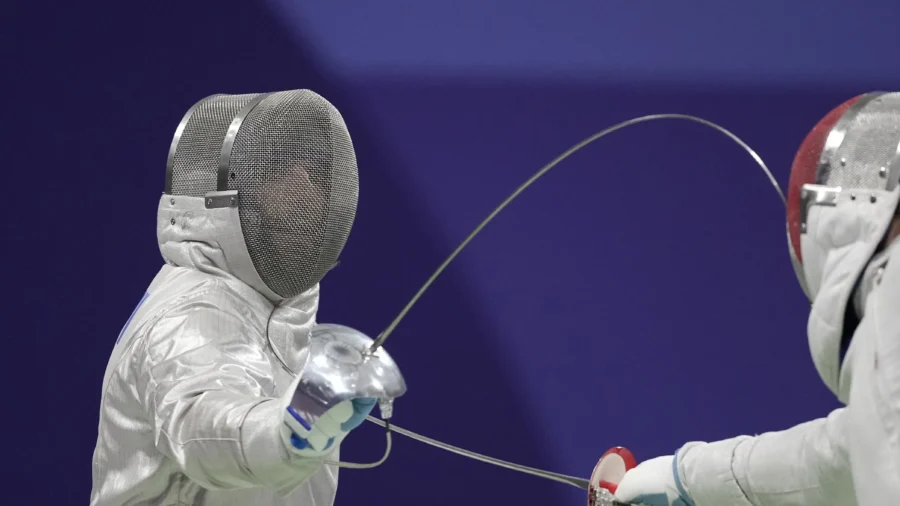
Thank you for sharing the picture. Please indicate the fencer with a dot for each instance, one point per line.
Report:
(260, 195)
(843, 225)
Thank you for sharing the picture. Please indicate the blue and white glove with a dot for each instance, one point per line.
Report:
(654, 482)
(315, 436)
(311, 430)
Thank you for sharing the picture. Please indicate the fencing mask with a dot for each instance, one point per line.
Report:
(285, 162)
(842, 197)
(850, 155)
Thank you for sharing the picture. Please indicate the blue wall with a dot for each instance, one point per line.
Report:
(641, 294)
(749, 43)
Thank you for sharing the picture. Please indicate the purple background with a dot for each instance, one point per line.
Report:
(641, 294)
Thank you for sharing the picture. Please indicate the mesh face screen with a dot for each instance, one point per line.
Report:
(869, 144)
(294, 168)
(197, 154)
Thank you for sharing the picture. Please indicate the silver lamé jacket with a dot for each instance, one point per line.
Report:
(191, 401)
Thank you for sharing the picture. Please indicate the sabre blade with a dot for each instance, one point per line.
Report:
(382, 337)
(580, 483)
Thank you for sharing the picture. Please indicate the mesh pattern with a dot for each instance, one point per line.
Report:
(197, 153)
(869, 144)
(294, 168)
(803, 170)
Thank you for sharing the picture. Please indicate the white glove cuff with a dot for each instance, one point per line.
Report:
(707, 473)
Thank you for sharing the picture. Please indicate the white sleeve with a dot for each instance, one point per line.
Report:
(806, 465)
(207, 384)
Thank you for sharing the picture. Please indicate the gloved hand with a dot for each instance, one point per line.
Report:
(327, 431)
(313, 431)
(654, 482)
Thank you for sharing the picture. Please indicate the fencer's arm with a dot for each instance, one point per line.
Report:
(205, 380)
(807, 464)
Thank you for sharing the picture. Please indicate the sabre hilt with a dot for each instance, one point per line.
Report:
(340, 367)
(607, 475)
(336, 390)
(339, 377)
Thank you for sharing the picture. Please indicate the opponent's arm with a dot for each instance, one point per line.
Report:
(806, 465)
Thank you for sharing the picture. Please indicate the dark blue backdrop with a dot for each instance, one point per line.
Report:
(639, 295)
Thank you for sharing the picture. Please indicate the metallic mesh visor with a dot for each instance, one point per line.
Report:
(290, 159)
(294, 168)
(194, 157)
(866, 156)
